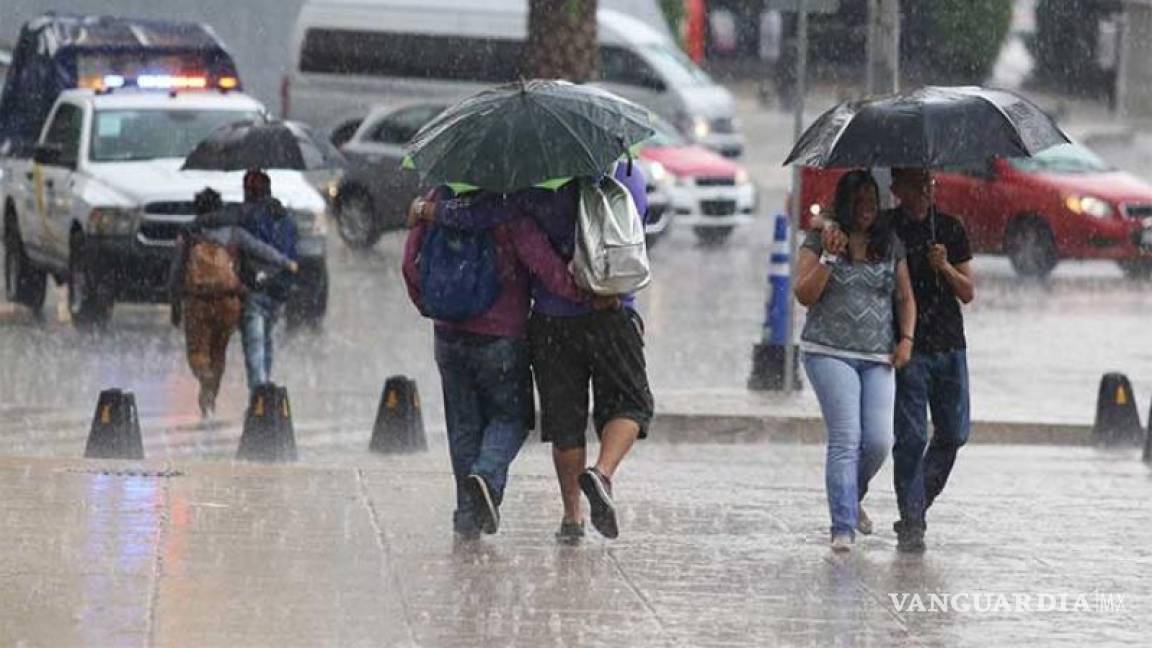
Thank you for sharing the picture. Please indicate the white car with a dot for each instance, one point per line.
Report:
(101, 201)
(707, 192)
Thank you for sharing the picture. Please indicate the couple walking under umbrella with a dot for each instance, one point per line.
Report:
(516, 168)
(883, 344)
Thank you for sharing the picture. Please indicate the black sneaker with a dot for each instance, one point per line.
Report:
(598, 489)
(909, 537)
(483, 506)
(570, 533)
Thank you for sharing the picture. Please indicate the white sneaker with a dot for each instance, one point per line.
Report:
(841, 543)
(863, 522)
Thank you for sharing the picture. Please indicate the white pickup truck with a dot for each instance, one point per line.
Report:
(99, 202)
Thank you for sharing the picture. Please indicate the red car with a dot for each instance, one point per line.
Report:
(705, 191)
(1064, 203)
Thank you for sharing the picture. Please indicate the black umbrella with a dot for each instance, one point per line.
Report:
(263, 145)
(927, 128)
(516, 135)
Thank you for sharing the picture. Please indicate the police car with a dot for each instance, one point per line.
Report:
(100, 201)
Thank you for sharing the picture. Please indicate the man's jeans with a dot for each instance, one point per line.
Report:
(856, 398)
(256, 324)
(936, 382)
(483, 383)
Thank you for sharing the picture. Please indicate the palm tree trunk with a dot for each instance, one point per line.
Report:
(562, 39)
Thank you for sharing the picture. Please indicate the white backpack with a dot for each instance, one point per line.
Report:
(611, 257)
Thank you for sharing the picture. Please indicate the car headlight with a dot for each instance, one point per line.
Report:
(657, 172)
(1089, 206)
(701, 128)
(113, 221)
(741, 177)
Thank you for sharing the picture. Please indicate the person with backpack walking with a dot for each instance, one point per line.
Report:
(850, 351)
(574, 344)
(267, 219)
(473, 281)
(206, 290)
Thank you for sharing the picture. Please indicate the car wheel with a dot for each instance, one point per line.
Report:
(86, 302)
(23, 283)
(309, 304)
(1031, 248)
(712, 235)
(356, 218)
(1137, 269)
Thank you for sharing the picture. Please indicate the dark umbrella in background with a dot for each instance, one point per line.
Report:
(517, 135)
(263, 145)
(928, 128)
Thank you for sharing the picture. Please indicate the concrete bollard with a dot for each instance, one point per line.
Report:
(1117, 421)
(268, 435)
(399, 424)
(115, 432)
(768, 356)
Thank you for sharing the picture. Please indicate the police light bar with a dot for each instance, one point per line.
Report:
(169, 82)
(156, 82)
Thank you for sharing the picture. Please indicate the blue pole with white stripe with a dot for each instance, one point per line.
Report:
(779, 287)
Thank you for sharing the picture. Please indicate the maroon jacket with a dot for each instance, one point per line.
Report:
(522, 252)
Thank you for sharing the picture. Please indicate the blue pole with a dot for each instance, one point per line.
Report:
(775, 331)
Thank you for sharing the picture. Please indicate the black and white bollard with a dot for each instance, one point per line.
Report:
(399, 423)
(1117, 421)
(115, 431)
(268, 435)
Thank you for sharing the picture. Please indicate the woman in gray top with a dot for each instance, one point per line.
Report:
(859, 301)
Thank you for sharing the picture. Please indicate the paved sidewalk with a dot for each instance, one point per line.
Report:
(722, 545)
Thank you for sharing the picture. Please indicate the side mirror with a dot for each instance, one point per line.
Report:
(52, 155)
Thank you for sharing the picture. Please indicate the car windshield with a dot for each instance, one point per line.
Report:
(675, 67)
(124, 135)
(1063, 158)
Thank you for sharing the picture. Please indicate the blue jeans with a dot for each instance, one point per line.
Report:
(856, 398)
(256, 323)
(483, 384)
(937, 382)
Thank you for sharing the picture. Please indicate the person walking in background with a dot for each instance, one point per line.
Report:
(848, 345)
(267, 219)
(936, 377)
(206, 290)
(482, 356)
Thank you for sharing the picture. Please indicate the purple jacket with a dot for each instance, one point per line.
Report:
(522, 252)
(555, 213)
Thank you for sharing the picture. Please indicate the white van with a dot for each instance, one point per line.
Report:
(351, 55)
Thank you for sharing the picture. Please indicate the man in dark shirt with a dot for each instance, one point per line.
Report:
(936, 379)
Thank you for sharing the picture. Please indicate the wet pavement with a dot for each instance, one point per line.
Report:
(720, 546)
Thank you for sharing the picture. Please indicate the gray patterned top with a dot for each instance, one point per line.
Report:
(854, 313)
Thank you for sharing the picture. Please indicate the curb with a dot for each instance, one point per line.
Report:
(722, 428)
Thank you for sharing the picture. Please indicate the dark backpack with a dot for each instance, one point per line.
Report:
(459, 278)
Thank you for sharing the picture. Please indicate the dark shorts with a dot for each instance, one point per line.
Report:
(605, 348)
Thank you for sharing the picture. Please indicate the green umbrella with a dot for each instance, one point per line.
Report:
(518, 135)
